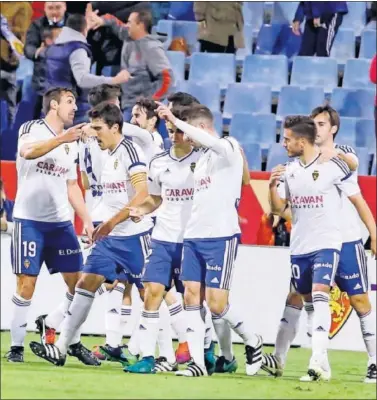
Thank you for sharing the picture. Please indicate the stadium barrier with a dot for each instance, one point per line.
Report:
(260, 286)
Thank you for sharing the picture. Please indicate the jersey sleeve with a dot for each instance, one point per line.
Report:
(349, 151)
(142, 135)
(154, 184)
(82, 150)
(282, 188)
(339, 170)
(134, 160)
(28, 133)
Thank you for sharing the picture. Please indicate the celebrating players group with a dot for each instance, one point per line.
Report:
(167, 222)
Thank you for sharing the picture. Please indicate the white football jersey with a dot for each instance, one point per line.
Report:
(218, 181)
(313, 191)
(351, 222)
(124, 161)
(159, 142)
(173, 180)
(42, 183)
(92, 160)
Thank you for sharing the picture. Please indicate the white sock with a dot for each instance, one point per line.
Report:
(55, 317)
(309, 308)
(148, 332)
(238, 325)
(321, 326)
(224, 335)
(76, 316)
(195, 334)
(113, 325)
(19, 320)
(288, 328)
(207, 319)
(101, 290)
(125, 318)
(134, 342)
(178, 321)
(368, 329)
(165, 339)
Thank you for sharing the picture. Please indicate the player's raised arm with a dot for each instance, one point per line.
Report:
(135, 131)
(278, 193)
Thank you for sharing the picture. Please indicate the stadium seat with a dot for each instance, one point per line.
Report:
(315, 71)
(270, 70)
(353, 102)
(347, 132)
(4, 122)
(284, 11)
(296, 100)
(356, 74)
(288, 43)
(254, 128)
(217, 121)
(267, 38)
(253, 156)
(177, 61)
(368, 44)
(344, 46)
(188, 30)
(276, 155)
(165, 27)
(253, 13)
(373, 171)
(365, 134)
(364, 160)
(24, 113)
(248, 49)
(356, 17)
(246, 98)
(208, 93)
(213, 67)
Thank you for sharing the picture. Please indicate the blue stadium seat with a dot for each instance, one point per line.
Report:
(364, 160)
(356, 17)
(254, 128)
(248, 49)
(213, 67)
(315, 71)
(344, 46)
(347, 132)
(368, 44)
(253, 156)
(24, 113)
(270, 70)
(276, 155)
(365, 134)
(253, 13)
(4, 122)
(208, 93)
(356, 74)
(287, 43)
(356, 103)
(188, 30)
(165, 27)
(373, 171)
(246, 98)
(267, 38)
(177, 61)
(217, 121)
(296, 100)
(284, 11)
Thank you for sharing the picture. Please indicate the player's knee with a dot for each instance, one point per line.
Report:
(217, 306)
(295, 299)
(319, 287)
(26, 286)
(170, 298)
(360, 303)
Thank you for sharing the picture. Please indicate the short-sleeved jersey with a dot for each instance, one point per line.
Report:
(218, 181)
(157, 138)
(42, 183)
(124, 161)
(92, 160)
(173, 180)
(313, 191)
(351, 229)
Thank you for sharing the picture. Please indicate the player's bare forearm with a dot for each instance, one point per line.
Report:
(277, 204)
(77, 202)
(365, 214)
(150, 204)
(31, 151)
(245, 171)
(350, 160)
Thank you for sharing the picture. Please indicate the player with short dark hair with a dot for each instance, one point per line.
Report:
(181, 99)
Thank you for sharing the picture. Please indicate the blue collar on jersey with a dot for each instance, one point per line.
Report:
(179, 159)
(311, 163)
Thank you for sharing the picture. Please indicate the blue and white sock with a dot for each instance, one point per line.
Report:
(195, 333)
(368, 330)
(148, 332)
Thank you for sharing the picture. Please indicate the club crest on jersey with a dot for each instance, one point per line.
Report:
(315, 175)
(116, 163)
(26, 263)
(341, 310)
(66, 148)
(192, 166)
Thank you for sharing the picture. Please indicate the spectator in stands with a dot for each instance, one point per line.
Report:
(372, 16)
(142, 56)
(220, 25)
(373, 78)
(55, 16)
(15, 19)
(68, 64)
(6, 211)
(322, 21)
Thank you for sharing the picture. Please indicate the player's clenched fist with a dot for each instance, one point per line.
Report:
(102, 230)
(135, 214)
(72, 134)
(276, 173)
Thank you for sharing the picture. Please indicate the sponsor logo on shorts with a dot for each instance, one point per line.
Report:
(353, 276)
(341, 309)
(26, 263)
(322, 265)
(69, 252)
(214, 268)
(215, 280)
(136, 276)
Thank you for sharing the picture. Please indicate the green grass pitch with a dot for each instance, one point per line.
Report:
(37, 379)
